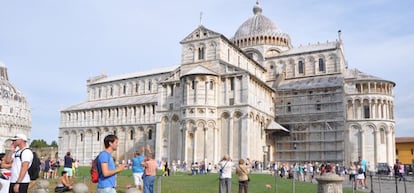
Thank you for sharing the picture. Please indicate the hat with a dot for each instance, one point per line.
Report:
(19, 136)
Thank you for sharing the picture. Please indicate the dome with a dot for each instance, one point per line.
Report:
(15, 113)
(7, 89)
(261, 29)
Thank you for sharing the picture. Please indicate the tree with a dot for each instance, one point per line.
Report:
(38, 143)
(54, 144)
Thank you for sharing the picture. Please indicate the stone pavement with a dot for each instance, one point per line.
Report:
(386, 184)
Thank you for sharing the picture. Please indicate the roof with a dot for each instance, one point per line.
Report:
(311, 82)
(199, 70)
(122, 101)
(273, 126)
(358, 75)
(310, 48)
(136, 74)
(404, 140)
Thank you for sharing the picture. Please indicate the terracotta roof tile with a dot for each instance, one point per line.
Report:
(404, 140)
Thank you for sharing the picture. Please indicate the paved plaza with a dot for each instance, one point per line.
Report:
(387, 184)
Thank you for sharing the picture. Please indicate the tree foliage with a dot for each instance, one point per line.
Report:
(38, 143)
(54, 144)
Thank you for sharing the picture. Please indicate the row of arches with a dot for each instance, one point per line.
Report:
(144, 113)
(86, 143)
(375, 87)
(304, 66)
(373, 141)
(131, 87)
(185, 138)
(260, 40)
(370, 108)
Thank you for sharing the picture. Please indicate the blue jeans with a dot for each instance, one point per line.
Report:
(106, 190)
(149, 184)
(225, 185)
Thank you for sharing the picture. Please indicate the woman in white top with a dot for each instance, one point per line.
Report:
(360, 177)
(225, 166)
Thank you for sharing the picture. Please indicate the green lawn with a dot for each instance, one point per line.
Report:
(186, 183)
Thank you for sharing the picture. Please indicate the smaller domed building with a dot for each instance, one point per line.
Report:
(15, 115)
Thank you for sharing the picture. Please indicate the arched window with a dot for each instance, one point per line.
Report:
(232, 83)
(289, 108)
(98, 136)
(318, 105)
(81, 137)
(131, 135)
(366, 112)
(300, 67)
(201, 53)
(193, 84)
(172, 90)
(321, 65)
(211, 85)
(382, 136)
(150, 134)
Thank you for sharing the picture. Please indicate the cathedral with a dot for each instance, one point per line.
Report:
(252, 96)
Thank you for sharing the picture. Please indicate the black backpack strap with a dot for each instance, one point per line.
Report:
(21, 152)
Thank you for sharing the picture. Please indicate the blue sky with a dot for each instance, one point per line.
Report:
(52, 47)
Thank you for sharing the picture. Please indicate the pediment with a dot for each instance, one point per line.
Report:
(200, 33)
(199, 70)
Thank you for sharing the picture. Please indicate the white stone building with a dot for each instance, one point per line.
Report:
(252, 96)
(15, 115)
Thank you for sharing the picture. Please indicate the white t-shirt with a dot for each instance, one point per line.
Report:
(225, 167)
(17, 164)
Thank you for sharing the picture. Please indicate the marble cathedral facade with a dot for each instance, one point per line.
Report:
(252, 96)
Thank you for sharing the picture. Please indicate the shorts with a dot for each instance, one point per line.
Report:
(69, 171)
(138, 178)
(360, 177)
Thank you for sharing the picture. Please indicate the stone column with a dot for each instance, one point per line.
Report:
(329, 183)
(195, 141)
(215, 148)
(205, 143)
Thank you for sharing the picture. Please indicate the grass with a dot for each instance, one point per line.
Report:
(186, 183)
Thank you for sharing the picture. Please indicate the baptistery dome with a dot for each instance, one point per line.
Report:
(15, 114)
(259, 30)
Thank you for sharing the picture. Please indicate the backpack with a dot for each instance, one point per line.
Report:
(360, 171)
(94, 170)
(34, 168)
